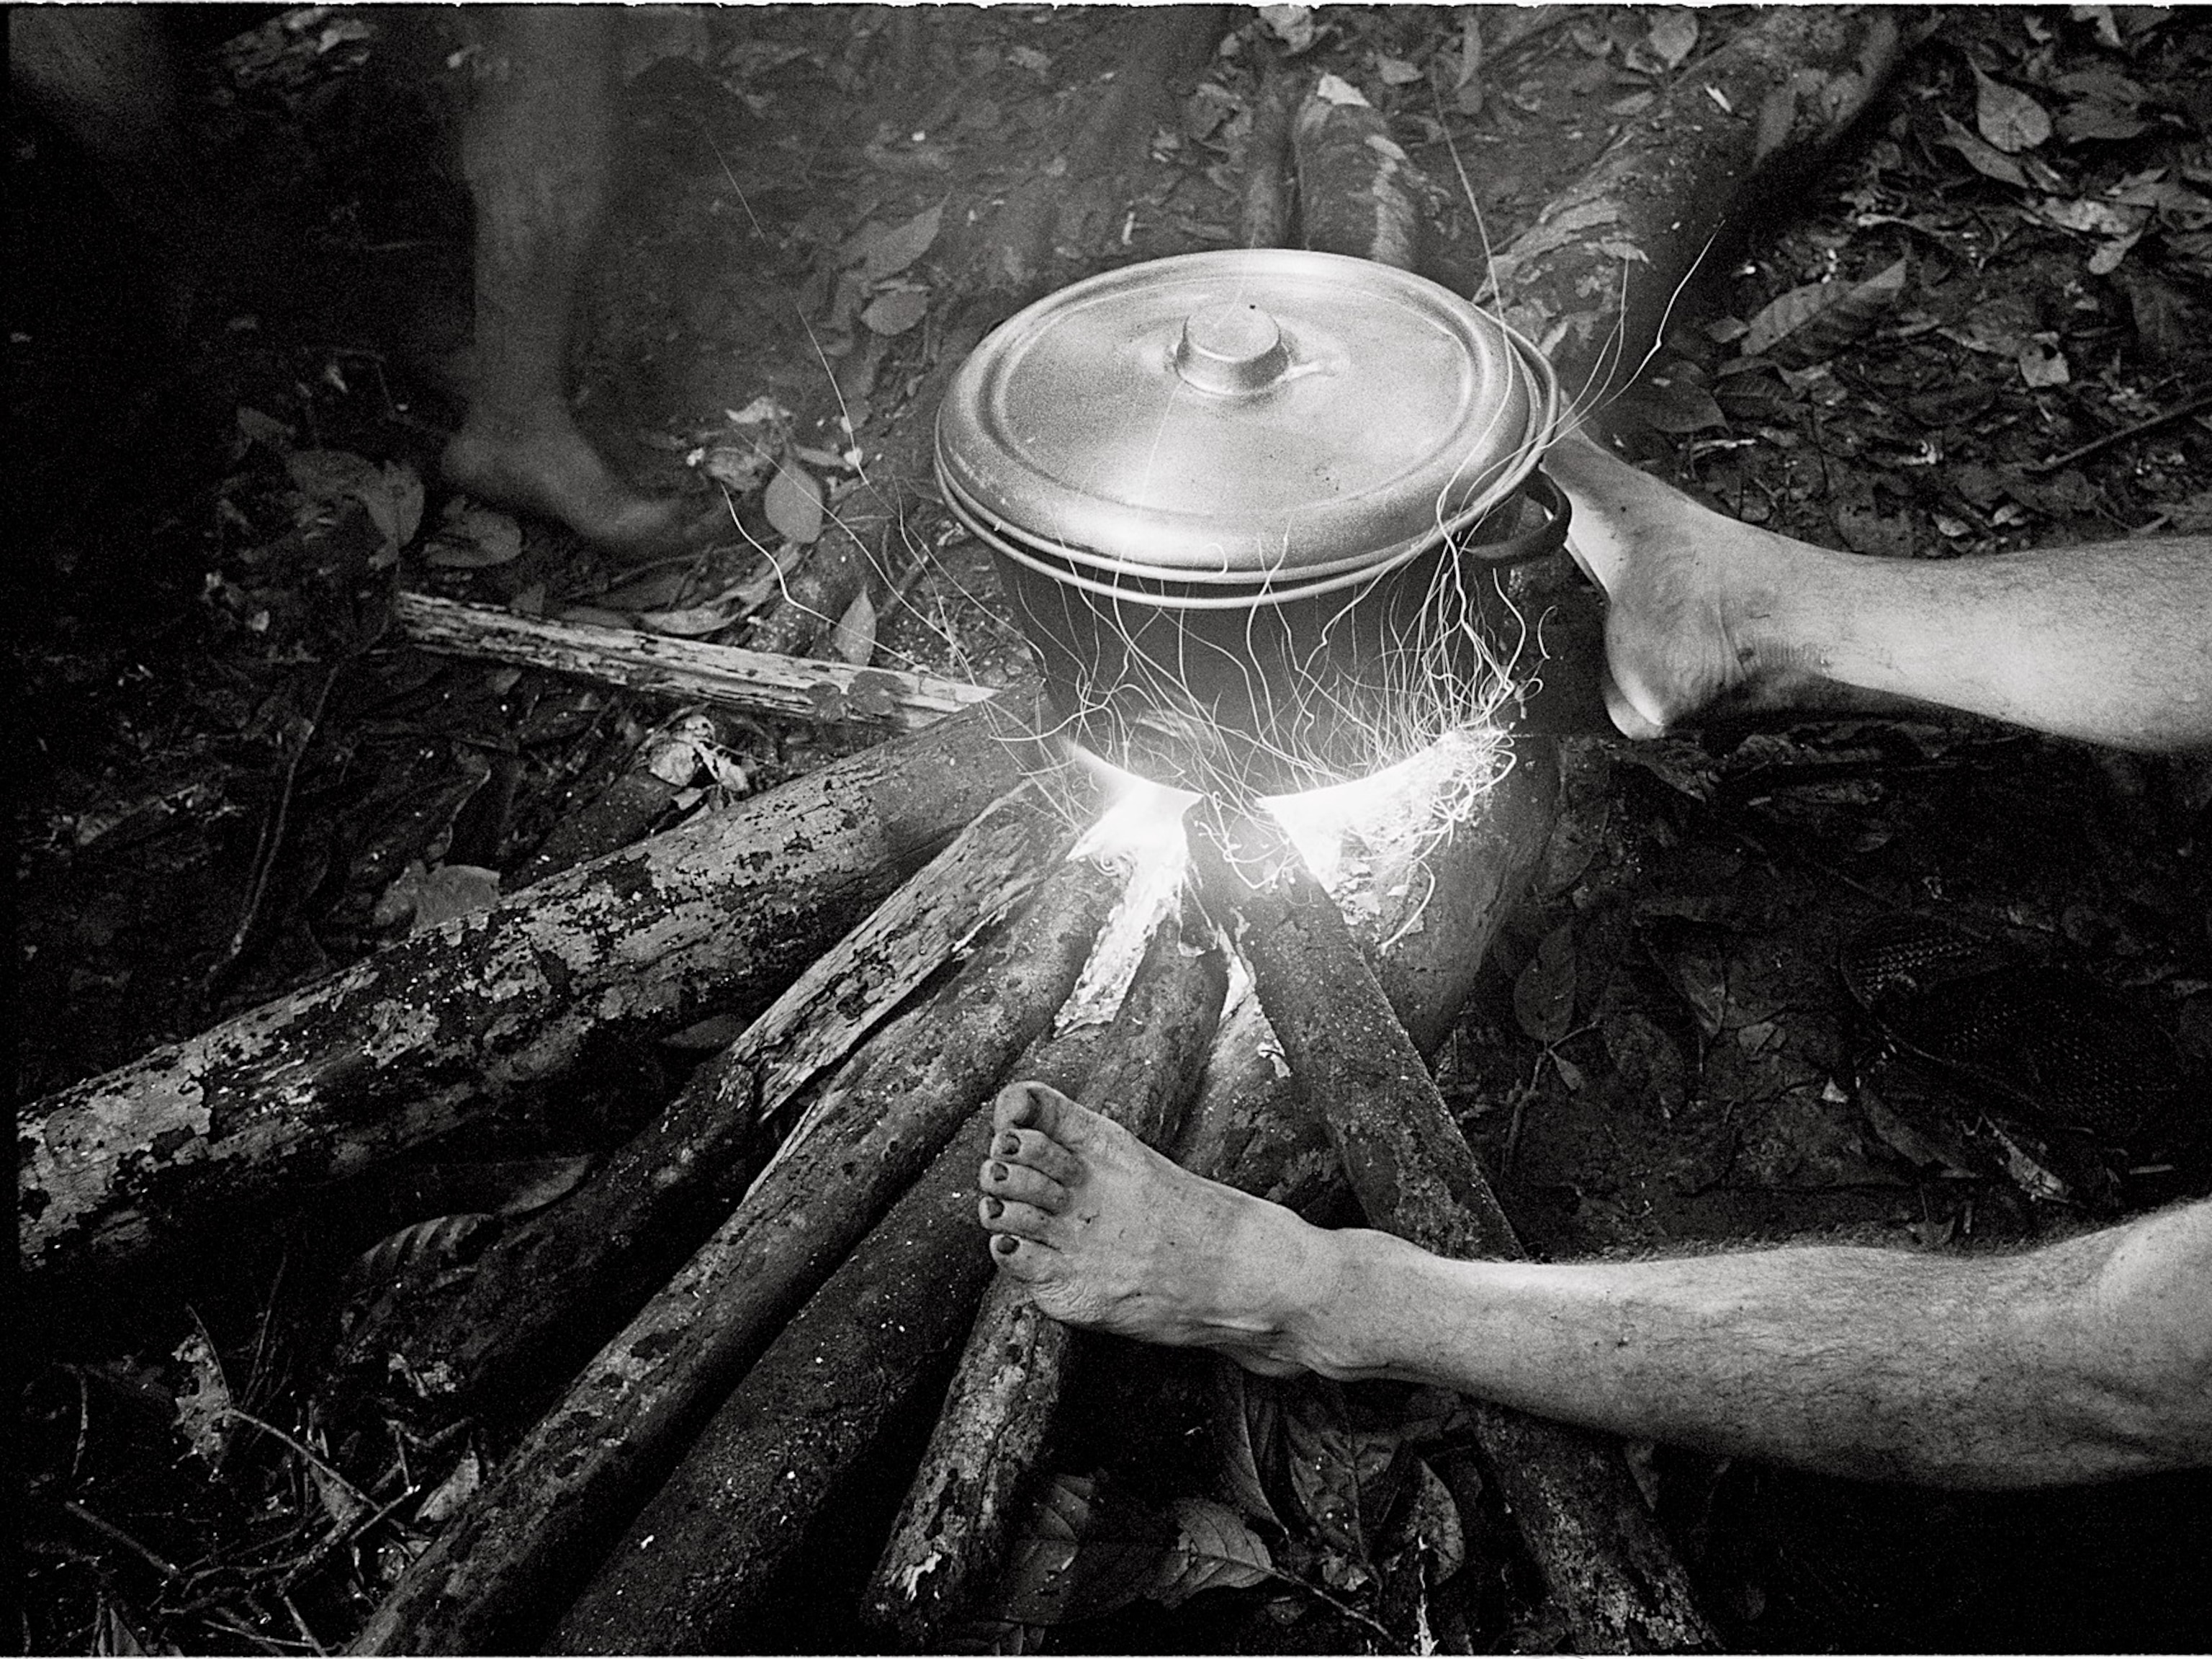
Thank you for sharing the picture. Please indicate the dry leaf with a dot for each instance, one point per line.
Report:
(455, 1490)
(896, 311)
(894, 250)
(1843, 310)
(1544, 992)
(1985, 158)
(204, 1402)
(1215, 1550)
(2007, 117)
(793, 503)
(2042, 365)
(1395, 71)
(854, 639)
(1673, 36)
(690, 623)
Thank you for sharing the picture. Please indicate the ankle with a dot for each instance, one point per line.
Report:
(1339, 1300)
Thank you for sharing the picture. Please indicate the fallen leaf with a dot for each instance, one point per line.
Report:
(1843, 312)
(793, 503)
(1673, 36)
(899, 247)
(1214, 1550)
(1544, 992)
(204, 1402)
(737, 469)
(2007, 117)
(436, 1243)
(424, 898)
(854, 639)
(1293, 26)
(1085, 1551)
(690, 623)
(2042, 365)
(1672, 402)
(1984, 157)
(1395, 72)
(455, 1490)
(896, 311)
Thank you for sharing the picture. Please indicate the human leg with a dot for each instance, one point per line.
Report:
(2112, 644)
(536, 148)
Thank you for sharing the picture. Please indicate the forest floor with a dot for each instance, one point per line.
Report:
(1987, 326)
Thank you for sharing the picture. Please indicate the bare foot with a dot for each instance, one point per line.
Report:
(1687, 591)
(1111, 1236)
(551, 470)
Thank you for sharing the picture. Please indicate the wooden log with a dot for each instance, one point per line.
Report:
(727, 1522)
(646, 787)
(505, 1565)
(1358, 193)
(1591, 281)
(846, 560)
(950, 1538)
(1611, 1573)
(544, 1298)
(1264, 214)
(1440, 900)
(725, 675)
(382, 1055)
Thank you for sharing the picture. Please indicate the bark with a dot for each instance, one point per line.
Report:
(847, 560)
(1443, 902)
(544, 1298)
(631, 804)
(725, 675)
(383, 1056)
(1592, 280)
(950, 1538)
(506, 1565)
(1264, 216)
(731, 1519)
(1611, 1573)
(1358, 193)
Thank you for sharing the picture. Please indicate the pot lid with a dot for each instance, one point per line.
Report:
(1248, 411)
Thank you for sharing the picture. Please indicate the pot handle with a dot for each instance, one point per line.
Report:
(1535, 543)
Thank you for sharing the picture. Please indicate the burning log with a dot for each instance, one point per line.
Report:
(508, 1562)
(544, 1298)
(395, 1050)
(1591, 280)
(725, 675)
(951, 1538)
(732, 1517)
(1443, 896)
(1610, 1571)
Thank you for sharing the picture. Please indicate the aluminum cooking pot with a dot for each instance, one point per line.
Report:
(1248, 507)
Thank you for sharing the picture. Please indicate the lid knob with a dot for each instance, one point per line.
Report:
(1228, 348)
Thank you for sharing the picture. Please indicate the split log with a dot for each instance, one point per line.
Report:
(846, 560)
(1443, 899)
(693, 1572)
(724, 676)
(1358, 192)
(1610, 1571)
(645, 788)
(393, 1050)
(505, 1566)
(544, 1298)
(950, 1538)
(1591, 281)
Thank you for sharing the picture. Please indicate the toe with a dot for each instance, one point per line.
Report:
(1039, 1152)
(1019, 1182)
(1021, 1257)
(1029, 1106)
(1002, 1215)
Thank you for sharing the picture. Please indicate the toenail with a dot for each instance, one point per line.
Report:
(993, 1208)
(1005, 1244)
(1008, 1145)
(994, 1172)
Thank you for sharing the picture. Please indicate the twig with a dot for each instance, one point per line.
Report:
(114, 1534)
(272, 835)
(313, 1458)
(2186, 407)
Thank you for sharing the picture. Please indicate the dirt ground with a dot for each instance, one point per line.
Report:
(1987, 326)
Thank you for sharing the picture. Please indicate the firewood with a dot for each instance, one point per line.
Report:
(401, 1046)
(729, 1521)
(652, 776)
(1358, 193)
(726, 675)
(504, 1567)
(1610, 1571)
(542, 1299)
(1592, 280)
(1264, 216)
(1442, 901)
(950, 1538)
